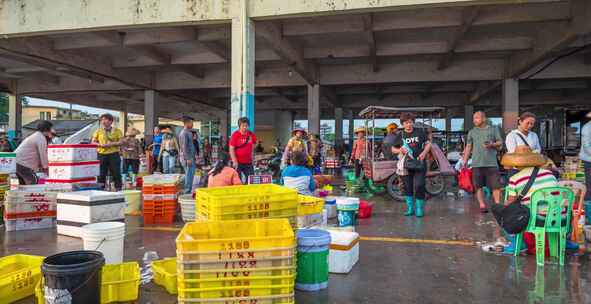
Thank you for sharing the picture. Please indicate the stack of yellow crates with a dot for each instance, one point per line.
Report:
(247, 202)
(242, 261)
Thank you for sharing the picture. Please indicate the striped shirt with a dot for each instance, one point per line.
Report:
(517, 182)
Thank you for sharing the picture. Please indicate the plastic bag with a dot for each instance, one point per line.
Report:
(465, 180)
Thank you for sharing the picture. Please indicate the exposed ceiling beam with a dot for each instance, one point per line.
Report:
(153, 53)
(4, 73)
(291, 54)
(469, 15)
(281, 93)
(330, 94)
(56, 68)
(371, 41)
(191, 70)
(216, 48)
(482, 90)
(428, 18)
(552, 38)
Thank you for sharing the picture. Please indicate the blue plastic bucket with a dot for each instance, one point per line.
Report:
(312, 259)
(347, 208)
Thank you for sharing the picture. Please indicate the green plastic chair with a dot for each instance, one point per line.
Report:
(554, 225)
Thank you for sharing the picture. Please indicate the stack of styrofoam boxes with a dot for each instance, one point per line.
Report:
(28, 210)
(76, 209)
(160, 193)
(72, 163)
(244, 261)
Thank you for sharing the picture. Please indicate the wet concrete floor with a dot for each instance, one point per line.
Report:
(391, 269)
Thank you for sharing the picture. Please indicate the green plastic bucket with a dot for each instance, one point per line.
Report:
(312, 271)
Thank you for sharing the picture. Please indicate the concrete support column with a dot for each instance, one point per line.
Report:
(15, 116)
(223, 125)
(124, 121)
(338, 126)
(510, 106)
(150, 114)
(448, 118)
(314, 109)
(351, 127)
(282, 124)
(243, 65)
(468, 117)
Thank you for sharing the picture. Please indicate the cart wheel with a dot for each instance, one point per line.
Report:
(435, 185)
(393, 187)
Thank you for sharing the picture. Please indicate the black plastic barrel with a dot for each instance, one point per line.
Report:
(73, 277)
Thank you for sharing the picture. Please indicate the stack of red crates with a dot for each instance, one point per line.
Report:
(160, 203)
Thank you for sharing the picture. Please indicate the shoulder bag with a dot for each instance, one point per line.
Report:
(514, 217)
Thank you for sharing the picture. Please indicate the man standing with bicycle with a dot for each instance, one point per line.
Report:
(483, 143)
(241, 149)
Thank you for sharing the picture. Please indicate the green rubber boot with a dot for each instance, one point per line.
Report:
(420, 205)
(409, 206)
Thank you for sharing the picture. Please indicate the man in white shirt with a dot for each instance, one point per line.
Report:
(31, 154)
(523, 136)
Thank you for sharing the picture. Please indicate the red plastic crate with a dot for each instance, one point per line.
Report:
(157, 204)
(172, 189)
(167, 218)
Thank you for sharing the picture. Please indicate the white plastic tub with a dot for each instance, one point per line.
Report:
(73, 170)
(106, 237)
(344, 251)
(187, 203)
(72, 153)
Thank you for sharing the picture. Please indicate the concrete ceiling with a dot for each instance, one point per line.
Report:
(434, 56)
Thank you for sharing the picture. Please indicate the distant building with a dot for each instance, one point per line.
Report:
(137, 122)
(63, 128)
(32, 113)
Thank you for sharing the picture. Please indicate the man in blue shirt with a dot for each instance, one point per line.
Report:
(156, 143)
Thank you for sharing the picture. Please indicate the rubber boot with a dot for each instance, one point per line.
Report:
(409, 206)
(420, 205)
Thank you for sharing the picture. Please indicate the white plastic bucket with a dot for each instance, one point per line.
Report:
(187, 207)
(106, 237)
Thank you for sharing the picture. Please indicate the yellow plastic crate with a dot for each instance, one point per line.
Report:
(309, 205)
(236, 289)
(120, 283)
(249, 282)
(19, 274)
(165, 274)
(188, 272)
(246, 198)
(278, 213)
(275, 299)
(227, 236)
(247, 258)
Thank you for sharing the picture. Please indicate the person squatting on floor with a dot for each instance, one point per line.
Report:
(482, 143)
(223, 174)
(108, 139)
(413, 145)
(31, 154)
(297, 176)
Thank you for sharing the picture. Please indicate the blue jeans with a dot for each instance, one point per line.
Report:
(189, 174)
(168, 163)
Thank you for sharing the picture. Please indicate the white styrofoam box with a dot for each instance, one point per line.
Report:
(12, 207)
(74, 170)
(30, 224)
(32, 194)
(7, 162)
(91, 196)
(76, 209)
(71, 153)
(344, 251)
(161, 179)
(309, 220)
(69, 182)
